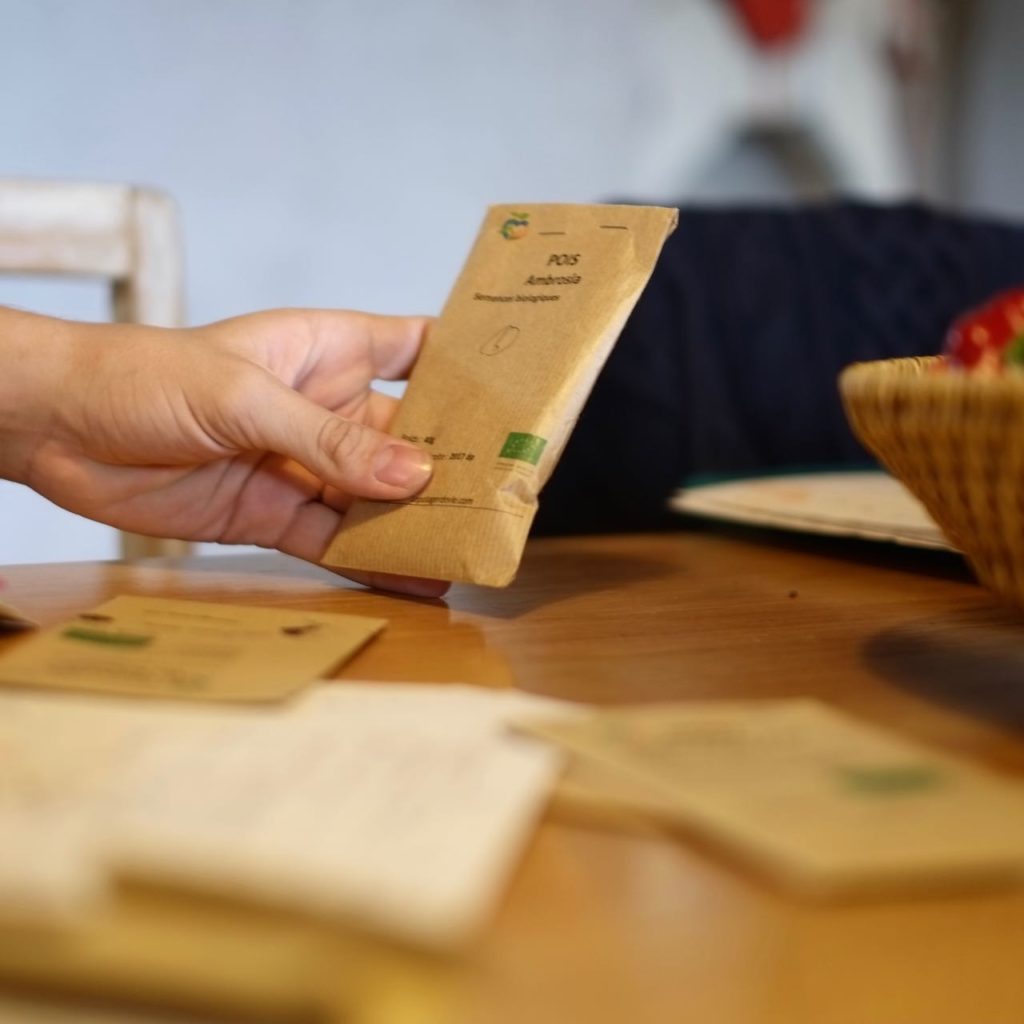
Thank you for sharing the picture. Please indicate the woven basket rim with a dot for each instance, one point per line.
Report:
(913, 374)
(956, 441)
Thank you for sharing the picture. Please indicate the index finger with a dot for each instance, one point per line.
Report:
(393, 342)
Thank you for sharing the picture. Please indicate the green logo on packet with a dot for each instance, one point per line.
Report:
(525, 447)
(890, 780)
(516, 226)
(99, 636)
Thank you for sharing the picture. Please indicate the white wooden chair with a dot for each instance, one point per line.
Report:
(124, 235)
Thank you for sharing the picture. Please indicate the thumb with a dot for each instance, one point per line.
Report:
(354, 458)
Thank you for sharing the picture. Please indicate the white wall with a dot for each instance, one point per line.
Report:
(322, 153)
(989, 153)
(341, 153)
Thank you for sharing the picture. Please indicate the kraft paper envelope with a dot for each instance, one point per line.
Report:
(195, 650)
(500, 383)
(12, 619)
(180, 959)
(814, 796)
(399, 808)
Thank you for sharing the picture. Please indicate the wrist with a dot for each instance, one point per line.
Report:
(35, 355)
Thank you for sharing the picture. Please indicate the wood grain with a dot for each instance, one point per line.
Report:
(609, 926)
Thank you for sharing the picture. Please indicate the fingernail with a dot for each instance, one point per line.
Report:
(402, 466)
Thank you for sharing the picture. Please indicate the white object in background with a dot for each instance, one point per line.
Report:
(869, 504)
(834, 88)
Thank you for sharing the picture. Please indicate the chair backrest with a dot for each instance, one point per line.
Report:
(123, 234)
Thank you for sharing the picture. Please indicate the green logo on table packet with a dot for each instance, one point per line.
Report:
(890, 779)
(525, 447)
(99, 636)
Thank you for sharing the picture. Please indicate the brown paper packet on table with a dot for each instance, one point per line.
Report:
(826, 803)
(500, 383)
(11, 619)
(166, 958)
(184, 959)
(392, 814)
(191, 650)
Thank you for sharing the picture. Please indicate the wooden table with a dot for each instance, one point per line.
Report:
(606, 925)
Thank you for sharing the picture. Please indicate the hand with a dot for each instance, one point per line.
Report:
(255, 430)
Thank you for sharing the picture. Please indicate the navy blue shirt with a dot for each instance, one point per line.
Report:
(729, 361)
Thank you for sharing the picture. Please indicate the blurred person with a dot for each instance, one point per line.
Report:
(729, 362)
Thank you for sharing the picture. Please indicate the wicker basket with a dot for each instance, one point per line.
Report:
(957, 443)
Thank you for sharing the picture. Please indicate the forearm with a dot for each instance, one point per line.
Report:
(35, 360)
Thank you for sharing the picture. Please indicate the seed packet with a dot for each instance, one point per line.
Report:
(500, 383)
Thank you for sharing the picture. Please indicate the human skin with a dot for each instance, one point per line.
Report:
(259, 430)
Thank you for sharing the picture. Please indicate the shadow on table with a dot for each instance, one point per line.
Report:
(971, 661)
(550, 575)
(932, 562)
(269, 566)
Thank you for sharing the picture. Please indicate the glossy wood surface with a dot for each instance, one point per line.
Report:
(607, 924)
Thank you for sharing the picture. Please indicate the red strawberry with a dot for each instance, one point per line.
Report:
(989, 337)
